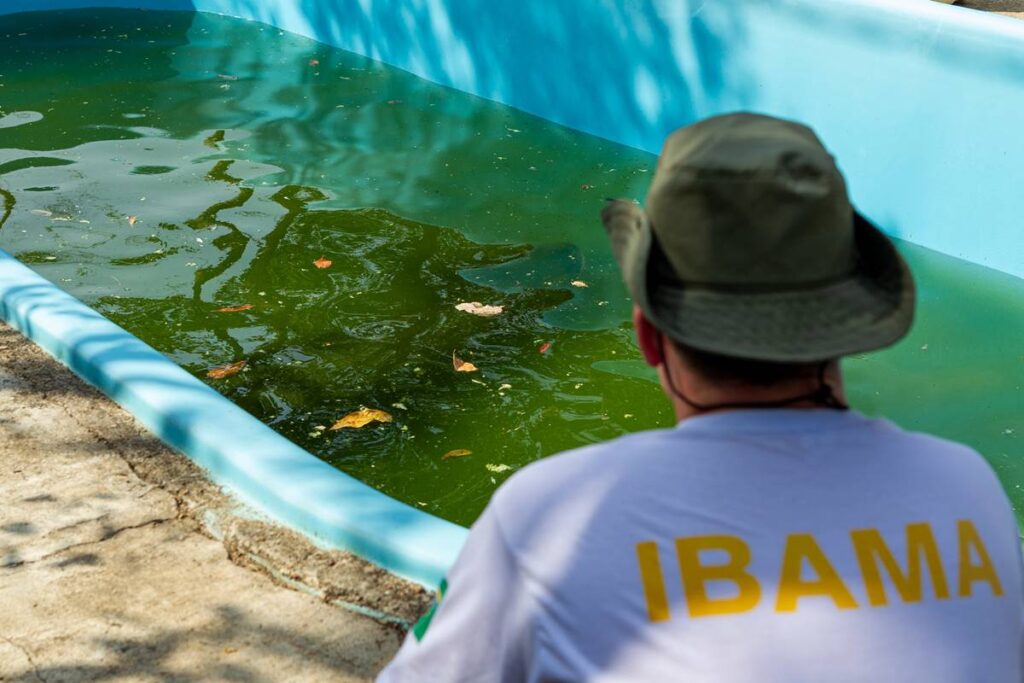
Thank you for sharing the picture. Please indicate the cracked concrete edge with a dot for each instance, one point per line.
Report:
(84, 544)
(32, 666)
(1009, 8)
(288, 558)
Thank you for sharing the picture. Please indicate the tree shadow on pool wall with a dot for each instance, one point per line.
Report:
(632, 71)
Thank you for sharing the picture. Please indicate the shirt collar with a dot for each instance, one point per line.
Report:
(771, 421)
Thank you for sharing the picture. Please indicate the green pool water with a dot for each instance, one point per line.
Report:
(243, 154)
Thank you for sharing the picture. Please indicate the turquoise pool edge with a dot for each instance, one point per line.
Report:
(262, 468)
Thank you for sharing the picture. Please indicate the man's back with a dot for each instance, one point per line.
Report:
(769, 545)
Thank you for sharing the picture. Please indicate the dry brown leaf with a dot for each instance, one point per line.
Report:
(477, 308)
(461, 365)
(213, 138)
(222, 371)
(360, 418)
(132, 220)
(234, 309)
(322, 263)
(579, 283)
(457, 453)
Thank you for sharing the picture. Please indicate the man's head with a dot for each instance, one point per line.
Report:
(750, 260)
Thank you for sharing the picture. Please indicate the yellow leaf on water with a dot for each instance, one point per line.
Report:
(222, 371)
(579, 283)
(360, 418)
(477, 308)
(461, 365)
(234, 309)
(322, 263)
(457, 453)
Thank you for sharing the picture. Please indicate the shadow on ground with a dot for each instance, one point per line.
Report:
(152, 658)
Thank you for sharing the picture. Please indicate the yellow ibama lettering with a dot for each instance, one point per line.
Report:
(792, 586)
(696, 575)
(653, 581)
(969, 540)
(871, 549)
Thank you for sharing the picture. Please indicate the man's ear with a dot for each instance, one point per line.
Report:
(647, 337)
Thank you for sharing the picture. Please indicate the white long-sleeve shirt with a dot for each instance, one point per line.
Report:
(757, 545)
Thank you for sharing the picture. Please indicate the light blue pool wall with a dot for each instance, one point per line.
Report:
(920, 102)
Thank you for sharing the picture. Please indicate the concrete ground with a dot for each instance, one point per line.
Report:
(1012, 8)
(120, 561)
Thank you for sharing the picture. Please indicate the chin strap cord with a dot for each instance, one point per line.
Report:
(823, 395)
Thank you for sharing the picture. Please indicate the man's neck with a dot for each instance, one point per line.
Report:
(705, 397)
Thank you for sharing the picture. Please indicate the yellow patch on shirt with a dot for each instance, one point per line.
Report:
(807, 572)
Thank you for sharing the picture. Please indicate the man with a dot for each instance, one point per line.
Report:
(773, 535)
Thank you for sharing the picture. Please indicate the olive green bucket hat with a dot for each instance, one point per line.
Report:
(749, 247)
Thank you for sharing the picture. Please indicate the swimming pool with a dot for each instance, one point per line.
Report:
(268, 138)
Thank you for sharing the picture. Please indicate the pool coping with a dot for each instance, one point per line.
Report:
(249, 459)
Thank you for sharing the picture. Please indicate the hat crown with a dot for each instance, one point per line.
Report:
(751, 201)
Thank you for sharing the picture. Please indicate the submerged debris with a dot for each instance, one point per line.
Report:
(461, 365)
(360, 418)
(457, 453)
(477, 308)
(222, 371)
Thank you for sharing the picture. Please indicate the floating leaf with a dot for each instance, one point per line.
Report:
(461, 365)
(543, 348)
(585, 186)
(457, 453)
(215, 137)
(314, 62)
(491, 467)
(579, 283)
(234, 309)
(132, 220)
(322, 263)
(477, 308)
(360, 418)
(222, 371)
(503, 387)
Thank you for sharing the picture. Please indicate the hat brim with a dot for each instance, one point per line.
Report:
(870, 309)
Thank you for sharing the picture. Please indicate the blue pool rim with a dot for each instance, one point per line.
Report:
(629, 71)
(258, 465)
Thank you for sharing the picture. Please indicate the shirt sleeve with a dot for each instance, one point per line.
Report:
(477, 631)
